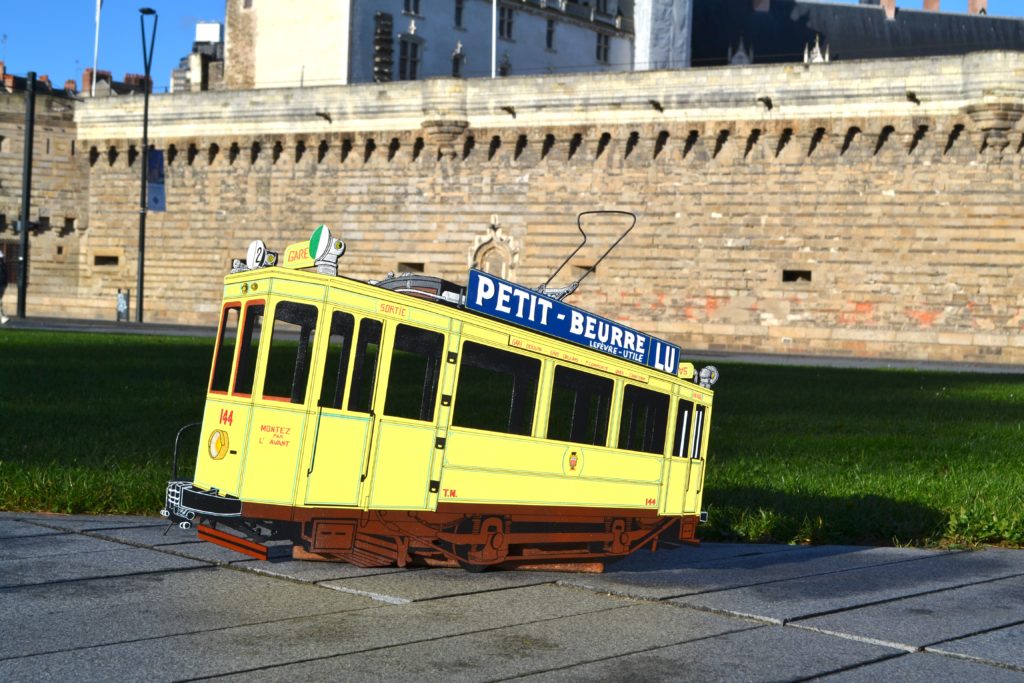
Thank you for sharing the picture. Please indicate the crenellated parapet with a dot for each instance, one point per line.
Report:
(849, 208)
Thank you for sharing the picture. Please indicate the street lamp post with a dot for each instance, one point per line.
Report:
(147, 60)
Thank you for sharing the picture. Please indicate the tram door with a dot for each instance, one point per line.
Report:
(686, 465)
(406, 433)
(279, 413)
(695, 479)
(345, 415)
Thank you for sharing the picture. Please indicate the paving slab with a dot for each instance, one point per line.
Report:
(13, 528)
(208, 552)
(88, 522)
(659, 578)
(429, 584)
(26, 547)
(926, 668)
(671, 558)
(915, 623)
(311, 571)
(516, 650)
(74, 615)
(162, 534)
(766, 653)
(120, 562)
(229, 650)
(784, 601)
(1004, 647)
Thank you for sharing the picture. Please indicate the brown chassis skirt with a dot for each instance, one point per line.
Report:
(474, 536)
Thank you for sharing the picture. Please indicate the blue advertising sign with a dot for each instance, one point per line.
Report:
(522, 306)
(156, 198)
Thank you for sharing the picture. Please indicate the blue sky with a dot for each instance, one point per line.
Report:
(55, 37)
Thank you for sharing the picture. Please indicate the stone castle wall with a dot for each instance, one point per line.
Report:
(895, 187)
(59, 186)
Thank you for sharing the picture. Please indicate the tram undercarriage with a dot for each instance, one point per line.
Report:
(472, 538)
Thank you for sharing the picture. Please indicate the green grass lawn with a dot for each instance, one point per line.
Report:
(87, 424)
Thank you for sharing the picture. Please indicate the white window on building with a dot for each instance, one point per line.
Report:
(603, 41)
(549, 38)
(460, 5)
(408, 58)
(505, 18)
(412, 7)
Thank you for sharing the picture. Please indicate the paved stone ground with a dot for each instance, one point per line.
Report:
(127, 598)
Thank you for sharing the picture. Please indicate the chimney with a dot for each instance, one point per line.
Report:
(45, 80)
(931, 5)
(890, 8)
(977, 6)
(70, 85)
(762, 5)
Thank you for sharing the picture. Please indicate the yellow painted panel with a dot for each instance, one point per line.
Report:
(694, 487)
(675, 492)
(481, 486)
(232, 418)
(401, 470)
(511, 453)
(339, 454)
(275, 442)
(429, 319)
(488, 450)
(301, 290)
(351, 300)
(608, 463)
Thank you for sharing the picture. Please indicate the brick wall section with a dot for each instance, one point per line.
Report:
(897, 184)
(59, 185)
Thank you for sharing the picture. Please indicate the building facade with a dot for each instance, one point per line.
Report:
(332, 42)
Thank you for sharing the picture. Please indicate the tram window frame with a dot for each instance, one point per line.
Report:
(572, 383)
(364, 366)
(224, 355)
(339, 343)
(652, 432)
(684, 428)
(248, 348)
(700, 421)
(410, 344)
(494, 377)
(285, 371)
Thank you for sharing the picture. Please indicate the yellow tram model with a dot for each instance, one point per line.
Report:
(412, 420)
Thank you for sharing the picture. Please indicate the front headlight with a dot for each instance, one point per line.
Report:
(218, 444)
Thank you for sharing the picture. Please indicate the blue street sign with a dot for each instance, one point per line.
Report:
(522, 306)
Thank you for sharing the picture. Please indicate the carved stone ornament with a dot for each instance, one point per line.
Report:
(495, 252)
(996, 115)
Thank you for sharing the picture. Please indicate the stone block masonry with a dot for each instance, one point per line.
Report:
(853, 208)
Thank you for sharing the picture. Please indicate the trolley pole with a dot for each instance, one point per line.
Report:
(26, 189)
(147, 60)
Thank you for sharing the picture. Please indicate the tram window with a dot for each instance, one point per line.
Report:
(339, 347)
(643, 421)
(291, 347)
(497, 390)
(250, 345)
(415, 373)
(364, 369)
(698, 432)
(580, 403)
(684, 428)
(225, 352)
